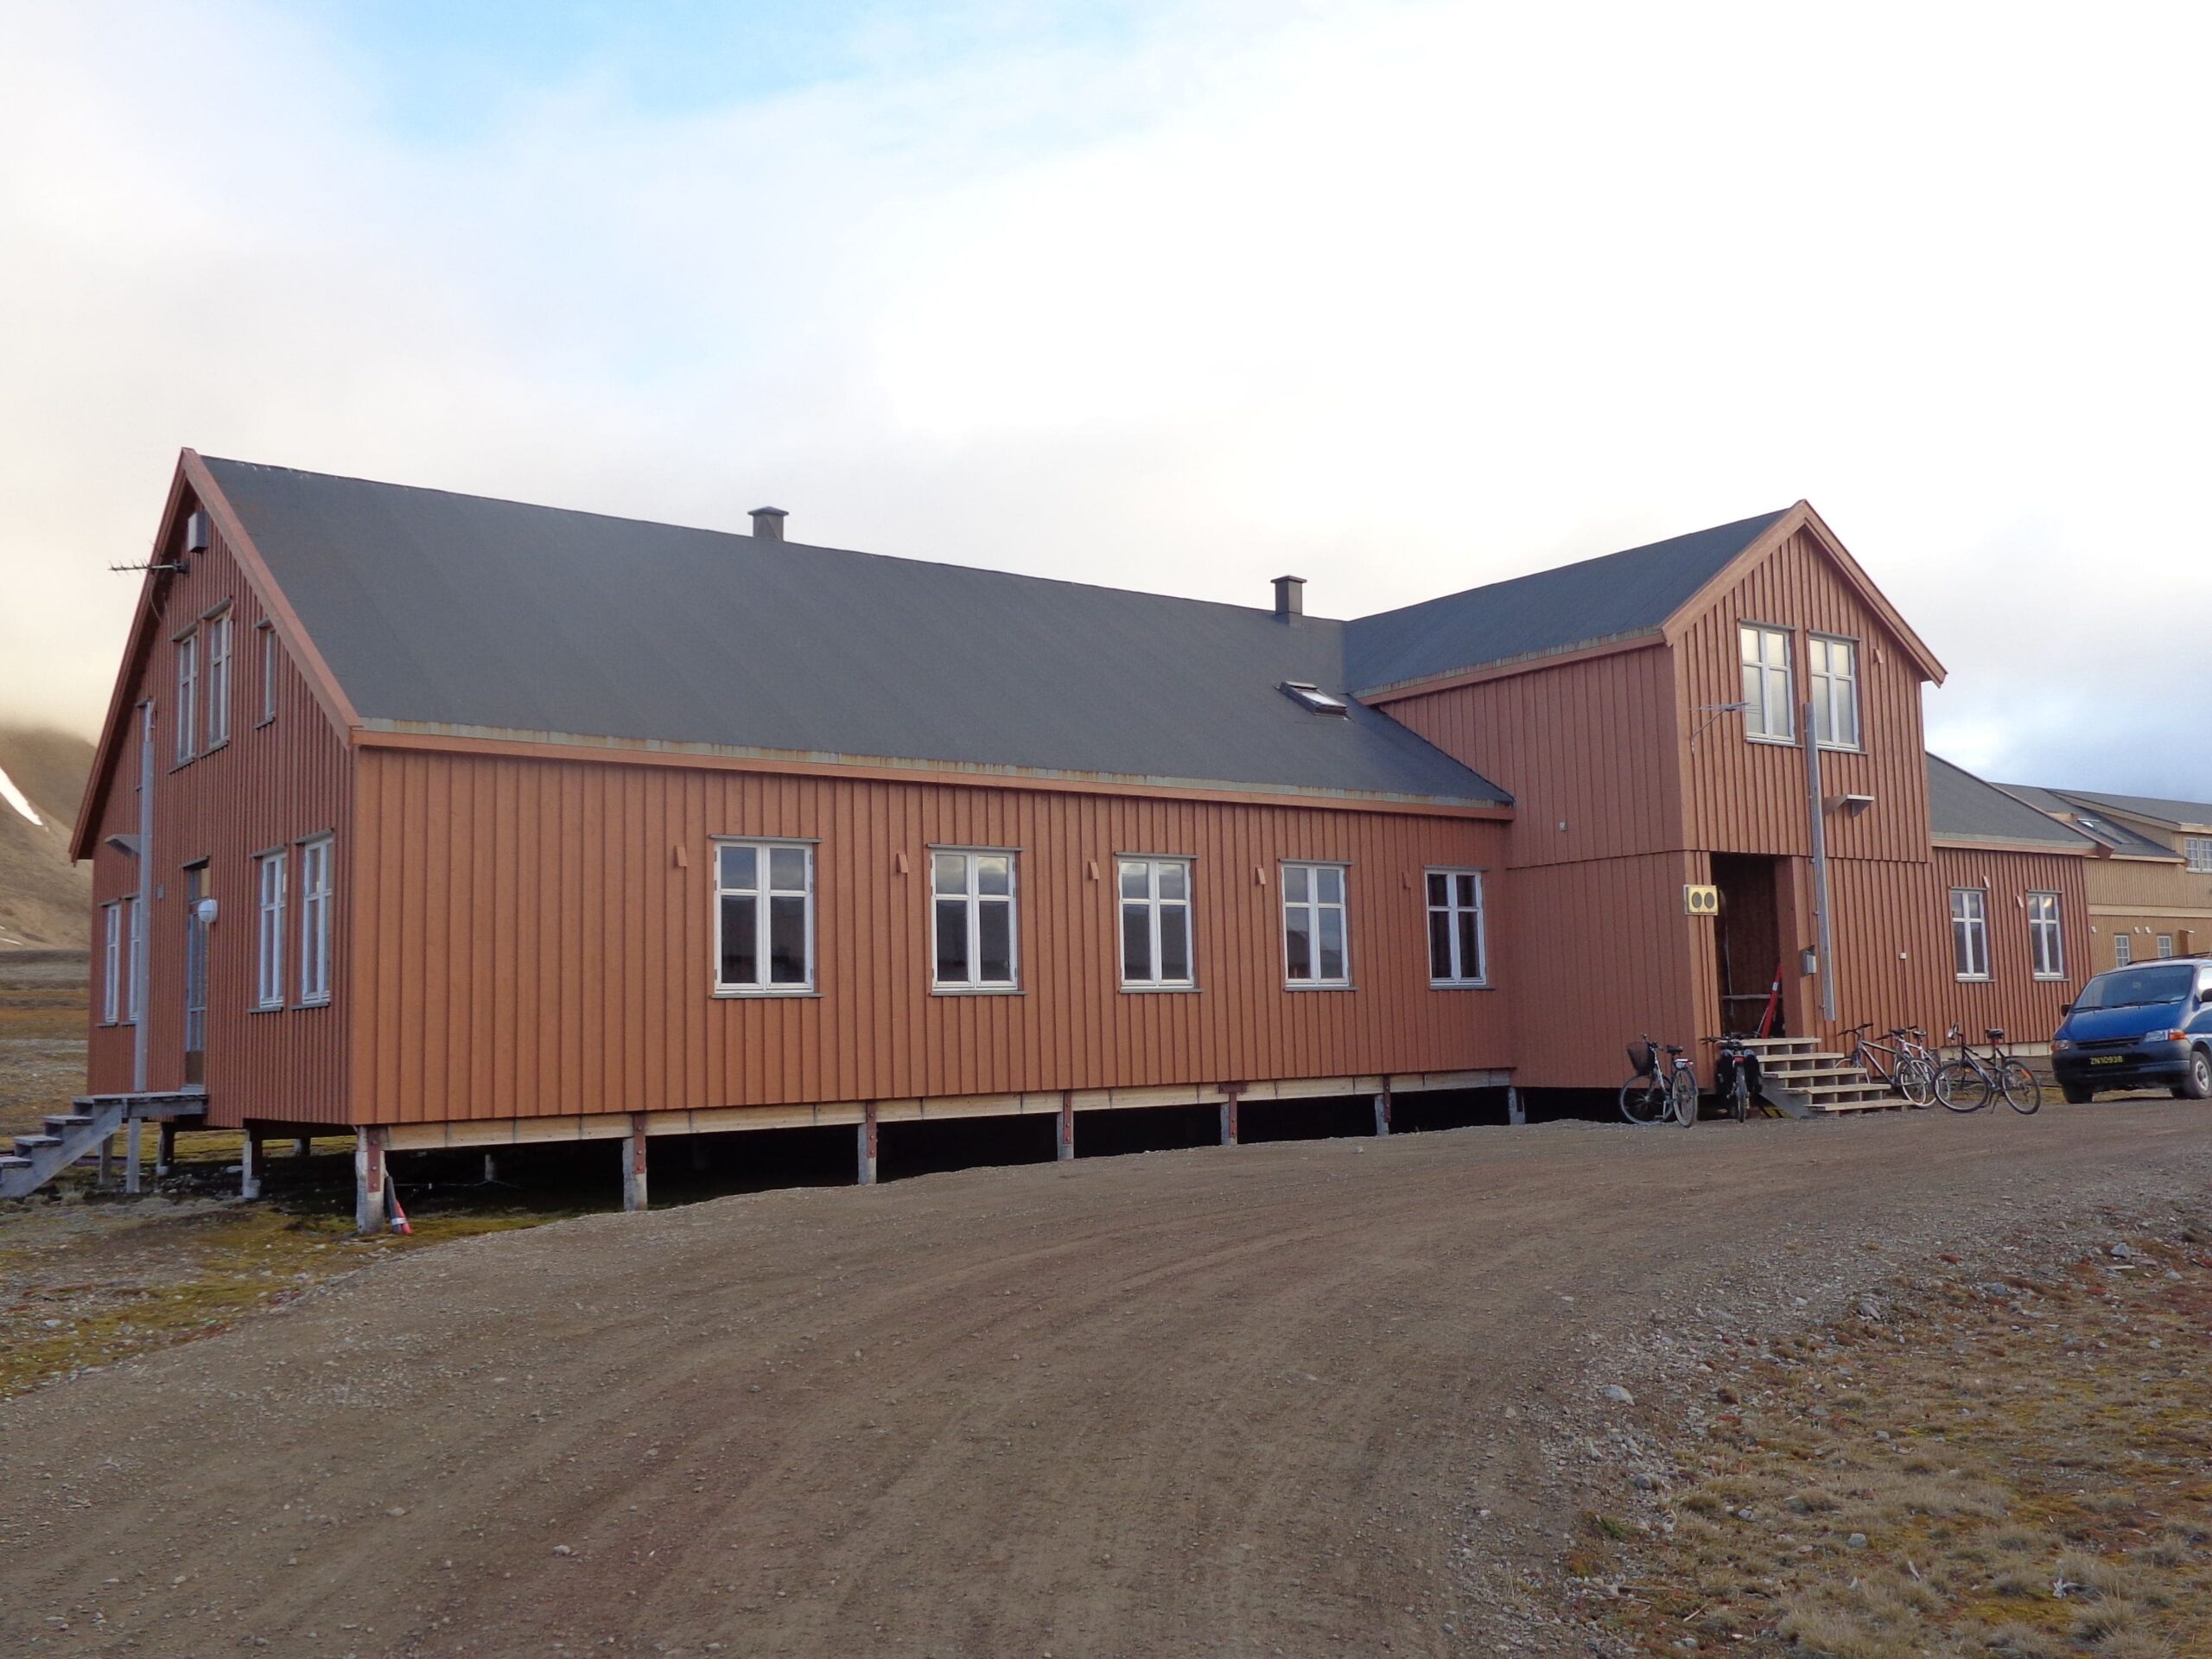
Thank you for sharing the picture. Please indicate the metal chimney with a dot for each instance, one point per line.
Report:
(768, 522)
(1290, 596)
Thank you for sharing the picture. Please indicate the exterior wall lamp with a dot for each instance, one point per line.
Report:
(1712, 711)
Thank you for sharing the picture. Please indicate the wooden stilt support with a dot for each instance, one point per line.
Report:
(370, 1213)
(867, 1137)
(633, 1164)
(1067, 1125)
(1514, 1112)
(106, 1176)
(250, 1165)
(132, 1151)
(1228, 1119)
(491, 1166)
(696, 1146)
(1383, 1113)
(164, 1147)
(303, 1146)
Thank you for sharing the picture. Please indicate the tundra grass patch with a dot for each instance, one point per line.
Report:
(2018, 1467)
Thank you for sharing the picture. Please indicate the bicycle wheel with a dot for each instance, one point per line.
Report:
(1642, 1100)
(1961, 1087)
(1681, 1095)
(1917, 1081)
(2022, 1093)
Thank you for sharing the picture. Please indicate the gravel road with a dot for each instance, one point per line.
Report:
(1290, 1398)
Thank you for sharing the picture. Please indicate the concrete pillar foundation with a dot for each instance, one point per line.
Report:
(867, 1137)
(370, 1214)
(634, 1165)
(250, 1163)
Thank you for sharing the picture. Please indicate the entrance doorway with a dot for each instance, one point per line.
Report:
(1749, 939)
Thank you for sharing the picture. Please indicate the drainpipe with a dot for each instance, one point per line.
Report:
(1825, 937)
(141, 926)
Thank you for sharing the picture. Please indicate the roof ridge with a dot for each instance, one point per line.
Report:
(809, 547)
(1762, 519)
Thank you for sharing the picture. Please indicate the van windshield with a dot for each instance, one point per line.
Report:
(2135, 987)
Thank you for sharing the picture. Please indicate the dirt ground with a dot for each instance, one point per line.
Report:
(1305, 1398)
(41, 1035)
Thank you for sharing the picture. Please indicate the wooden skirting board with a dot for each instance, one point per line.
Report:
(609, 1126)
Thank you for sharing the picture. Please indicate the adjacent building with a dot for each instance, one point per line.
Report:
(2150, 888)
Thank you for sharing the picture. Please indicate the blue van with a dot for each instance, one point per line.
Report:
(2147, 1026)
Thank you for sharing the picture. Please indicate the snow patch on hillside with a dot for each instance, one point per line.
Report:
(15, 798)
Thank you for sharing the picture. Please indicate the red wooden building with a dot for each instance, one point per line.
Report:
(449, 822)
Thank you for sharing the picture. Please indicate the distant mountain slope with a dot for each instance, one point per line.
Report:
(42, 895)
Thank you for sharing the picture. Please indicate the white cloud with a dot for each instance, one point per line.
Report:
(1404, 297)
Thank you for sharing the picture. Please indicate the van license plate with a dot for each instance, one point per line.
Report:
(2108, 1059)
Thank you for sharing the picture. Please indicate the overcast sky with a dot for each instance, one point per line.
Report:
(1399, 297)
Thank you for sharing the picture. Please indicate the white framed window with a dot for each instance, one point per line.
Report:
(764, 917)
(1970, 932)
(1156, 923)
(2198, 850)
(218, 630)
(187, 693)
(130, 908)
(266, 633)
(2123, 950)
(2166, 946)
(1313, 944)
(972, 919)
(2046, 940)
(1833, 665)
(112, 962)
(317, 884)
(1767, 696)
(269, 931)
(1455, 928)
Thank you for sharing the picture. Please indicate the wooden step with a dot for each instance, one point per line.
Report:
(55, 1125)
(27, 1144)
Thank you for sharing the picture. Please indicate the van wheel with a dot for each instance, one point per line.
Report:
(2077, 1095)
(2199, 1086)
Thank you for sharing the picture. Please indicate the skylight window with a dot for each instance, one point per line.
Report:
(1312, 699)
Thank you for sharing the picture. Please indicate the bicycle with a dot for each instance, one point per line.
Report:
(1985, 1077)
(1893, 1060)
(1652, 1097)
(1735, 1075)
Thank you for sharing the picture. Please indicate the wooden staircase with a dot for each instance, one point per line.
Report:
(1800, 1080)
(39, 1158)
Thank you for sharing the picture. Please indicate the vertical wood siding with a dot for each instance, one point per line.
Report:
(1742, 797)
(1591, 744)
(268, 787)
(2028, 1009)
(1602, 946)
(1597, 952)
(530, 946)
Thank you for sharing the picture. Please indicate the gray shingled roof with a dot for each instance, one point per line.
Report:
(2124, 842)
(440, 610)
(1962, 807)
(1581, 604)
(2193, 815)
